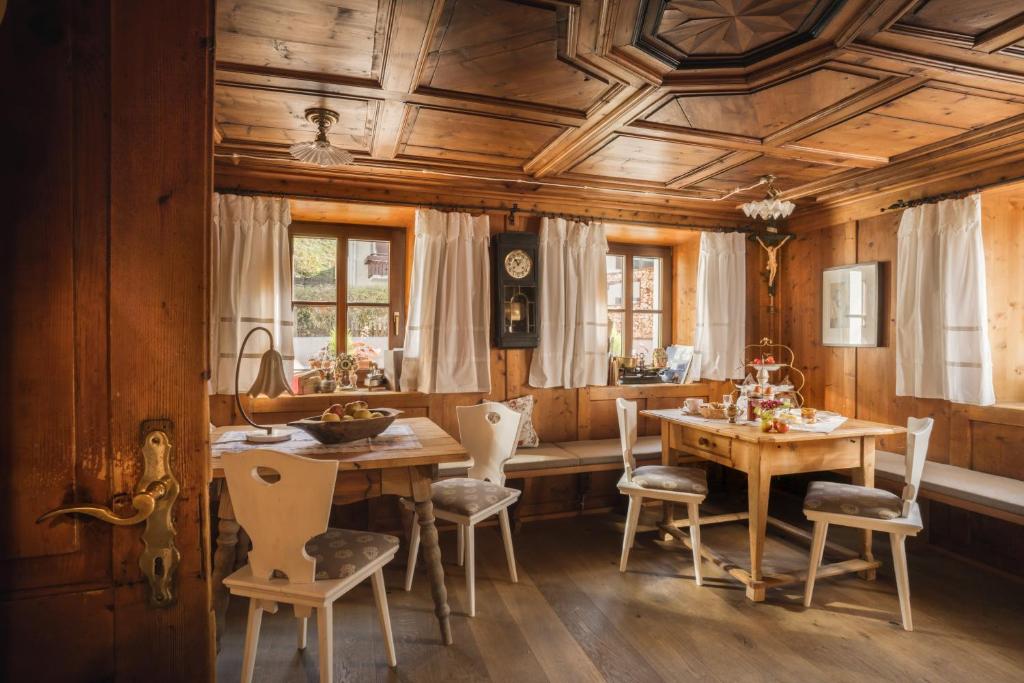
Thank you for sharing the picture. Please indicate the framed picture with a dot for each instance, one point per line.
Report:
(678, 358)
(850, 302)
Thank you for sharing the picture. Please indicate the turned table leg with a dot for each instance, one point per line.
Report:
(667, 508)
(421, 480)
(865, 476)
(223, 558)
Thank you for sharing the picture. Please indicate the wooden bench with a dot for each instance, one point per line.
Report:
(986, 494)
(582, 458)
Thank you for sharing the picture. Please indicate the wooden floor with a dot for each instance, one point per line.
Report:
(574, 617)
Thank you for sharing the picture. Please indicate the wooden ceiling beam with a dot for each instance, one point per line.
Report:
(740, 143)
(1001, 36)
(405, 191)
(413, 23)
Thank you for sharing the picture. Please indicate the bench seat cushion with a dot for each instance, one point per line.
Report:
(544, 456)
(603, 451)
(989, 490)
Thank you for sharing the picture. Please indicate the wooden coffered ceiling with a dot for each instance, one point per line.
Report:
(663, 105)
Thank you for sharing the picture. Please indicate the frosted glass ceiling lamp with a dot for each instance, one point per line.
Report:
(771, 208)
(320, 151)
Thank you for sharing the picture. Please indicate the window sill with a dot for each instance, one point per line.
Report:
(312, 402)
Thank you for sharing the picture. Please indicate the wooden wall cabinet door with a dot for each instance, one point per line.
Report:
(103, 273)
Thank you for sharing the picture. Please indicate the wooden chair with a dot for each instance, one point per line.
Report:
(873, 510)
(489, 431)
(284, 502)
(659, 482)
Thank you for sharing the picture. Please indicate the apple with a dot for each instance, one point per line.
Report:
(336, 409)
(757, 361)
(328, 416)
(781, 427)
(770, 359)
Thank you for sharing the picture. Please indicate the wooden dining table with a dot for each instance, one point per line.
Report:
(761, 456)
(401, 466)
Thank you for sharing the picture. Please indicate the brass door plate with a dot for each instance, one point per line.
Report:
(160, 558)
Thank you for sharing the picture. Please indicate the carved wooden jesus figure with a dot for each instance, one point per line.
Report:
(773, 262)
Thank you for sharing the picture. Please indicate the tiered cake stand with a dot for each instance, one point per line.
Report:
(773, 374)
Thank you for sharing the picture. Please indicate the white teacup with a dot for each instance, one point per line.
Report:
(692, 405)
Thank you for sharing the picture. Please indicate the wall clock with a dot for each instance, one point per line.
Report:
(518, 264)
(515, 312)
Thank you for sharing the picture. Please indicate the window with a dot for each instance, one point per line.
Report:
(639, 299)
(366, 293)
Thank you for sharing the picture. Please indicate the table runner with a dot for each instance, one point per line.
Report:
(397, 437)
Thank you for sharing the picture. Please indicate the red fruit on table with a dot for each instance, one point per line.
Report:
(770, 359)
(781, 427)
(757, 361)
(337, 409)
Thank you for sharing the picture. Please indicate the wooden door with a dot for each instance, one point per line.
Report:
(107, 127)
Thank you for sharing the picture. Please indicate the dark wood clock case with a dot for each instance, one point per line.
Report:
(515, 311)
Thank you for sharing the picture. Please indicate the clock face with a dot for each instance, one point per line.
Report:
(518, 264)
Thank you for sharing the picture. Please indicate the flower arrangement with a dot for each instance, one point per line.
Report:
(767, 408)
(769, 421)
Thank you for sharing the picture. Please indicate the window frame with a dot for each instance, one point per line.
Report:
(343, 232)
(628, 251)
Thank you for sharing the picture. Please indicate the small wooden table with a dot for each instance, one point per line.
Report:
(761, 455)
(361, 475)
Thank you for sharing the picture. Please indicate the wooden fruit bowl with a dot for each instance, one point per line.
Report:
(347, 430)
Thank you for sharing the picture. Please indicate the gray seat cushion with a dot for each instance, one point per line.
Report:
(850, 499)
(544, 456)
(603, 451)
(667, 478)
(988, 490)
(467, 497)
(340, 552)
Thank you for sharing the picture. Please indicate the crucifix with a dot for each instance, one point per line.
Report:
(773, 260)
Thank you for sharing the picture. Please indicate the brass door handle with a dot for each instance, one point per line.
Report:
(397, 319)
(153, 502)
(144, 503)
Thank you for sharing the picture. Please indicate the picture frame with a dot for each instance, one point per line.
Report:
(850, 305)
(693, 373)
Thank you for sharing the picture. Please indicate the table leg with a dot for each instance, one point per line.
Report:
(758, 485)
(667, 508)
(223, 558)
(421, 479)
(865, 476)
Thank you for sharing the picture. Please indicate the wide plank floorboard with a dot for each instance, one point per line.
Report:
(574, 617)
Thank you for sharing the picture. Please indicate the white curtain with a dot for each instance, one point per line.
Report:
(250, 286)
(942, 347)
(721, 304)
(573, 348)
(446, 347)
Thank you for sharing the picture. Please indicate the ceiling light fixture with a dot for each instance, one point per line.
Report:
(320, 151)
(771, 208)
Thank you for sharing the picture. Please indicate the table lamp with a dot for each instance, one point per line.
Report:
(270, 382)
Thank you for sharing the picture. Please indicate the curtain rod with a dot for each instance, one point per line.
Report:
(958, 194)
(511, 210)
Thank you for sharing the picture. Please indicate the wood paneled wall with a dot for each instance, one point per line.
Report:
(556, 412)
(862, 382)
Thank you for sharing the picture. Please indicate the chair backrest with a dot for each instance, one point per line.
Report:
(280, 516)
(919, 431)
(626, 411)
(490, 432)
